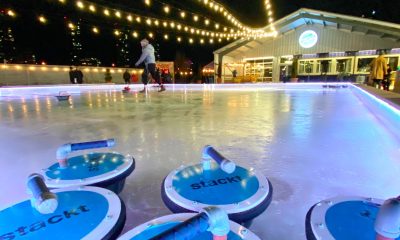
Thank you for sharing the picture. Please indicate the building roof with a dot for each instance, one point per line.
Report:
(340, 22)
(210, 65)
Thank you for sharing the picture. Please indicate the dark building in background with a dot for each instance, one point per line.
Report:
(7, 44)
(123, 48)
(76, 41)
(157, 51)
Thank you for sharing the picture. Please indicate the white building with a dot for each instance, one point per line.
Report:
(345, 45)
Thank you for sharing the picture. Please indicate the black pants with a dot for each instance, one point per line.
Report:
(386, 84)
(378, 83)
(150, 68)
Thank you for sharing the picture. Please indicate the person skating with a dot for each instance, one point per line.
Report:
(150, 64)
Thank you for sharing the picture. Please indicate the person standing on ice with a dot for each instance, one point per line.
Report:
(150, 64)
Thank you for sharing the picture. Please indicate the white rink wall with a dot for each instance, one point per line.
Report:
(22, 74)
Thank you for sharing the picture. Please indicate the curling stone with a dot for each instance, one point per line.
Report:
(355, 218)
(242, 193)
(63, 96)
(211, 223)
(69, 213)
(108, 170)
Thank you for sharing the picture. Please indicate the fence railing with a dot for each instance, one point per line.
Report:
(22, 74)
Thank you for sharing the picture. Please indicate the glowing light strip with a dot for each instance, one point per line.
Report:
(380, 101)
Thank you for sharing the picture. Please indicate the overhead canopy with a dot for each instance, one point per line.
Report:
(304, 16)
(209, 66)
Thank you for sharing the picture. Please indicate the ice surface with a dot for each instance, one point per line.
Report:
(311, 144)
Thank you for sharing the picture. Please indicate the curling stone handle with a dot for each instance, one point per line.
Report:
(211, 219)
(387, 223)
(64, 150)
(42, 199)
(225, 164)
(93, 144)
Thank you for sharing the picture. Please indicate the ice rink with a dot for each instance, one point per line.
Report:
(311, 143)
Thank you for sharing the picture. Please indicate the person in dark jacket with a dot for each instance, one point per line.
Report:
(79, 76)
(127, 77)
(386, 82)
(72, 75)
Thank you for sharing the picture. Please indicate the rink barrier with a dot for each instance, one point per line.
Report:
(387, 113)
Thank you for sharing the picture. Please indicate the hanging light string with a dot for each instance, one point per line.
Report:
(167, 9)
(219, 8)
(185, 14)
(166, 34)
(150, 21)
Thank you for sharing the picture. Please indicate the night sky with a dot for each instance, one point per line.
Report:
(51, 42)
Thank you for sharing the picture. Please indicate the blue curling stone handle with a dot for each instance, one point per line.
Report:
(157, 229)
(78, 214)
(214, 186)
(86, 166)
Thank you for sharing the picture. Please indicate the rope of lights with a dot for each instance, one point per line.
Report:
(183, 14)
(108, 12)
(217, 7)
(133, 33)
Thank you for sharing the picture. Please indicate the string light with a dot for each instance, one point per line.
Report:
(166, 9)
(214, 6)
(239, 29)
(80, 5)
(11, 13)
(71, 26)
(42, 19)
(166, 36)
(217, 7)
(92, 8)
(95, 30)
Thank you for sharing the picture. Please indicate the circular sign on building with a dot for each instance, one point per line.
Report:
(308, 39)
